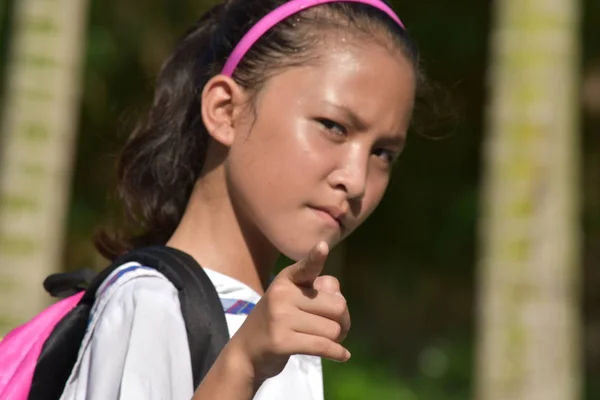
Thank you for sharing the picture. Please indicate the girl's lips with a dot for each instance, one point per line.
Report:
(329, 215)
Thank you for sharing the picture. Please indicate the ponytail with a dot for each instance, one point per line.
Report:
(164, 155)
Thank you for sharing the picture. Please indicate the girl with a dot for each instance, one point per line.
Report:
(273, 131)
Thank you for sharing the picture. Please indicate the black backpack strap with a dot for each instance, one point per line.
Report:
(200, 306)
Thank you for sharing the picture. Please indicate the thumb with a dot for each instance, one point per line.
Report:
(327, 284)
(304, 272)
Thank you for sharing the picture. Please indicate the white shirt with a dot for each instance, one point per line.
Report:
(136, 345)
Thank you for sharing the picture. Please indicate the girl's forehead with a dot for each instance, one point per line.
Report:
(348, 64)
(366, 80)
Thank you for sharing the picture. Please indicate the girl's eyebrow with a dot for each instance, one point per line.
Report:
(355, 120)
(359, 124)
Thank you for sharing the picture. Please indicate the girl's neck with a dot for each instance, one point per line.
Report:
(212, 233)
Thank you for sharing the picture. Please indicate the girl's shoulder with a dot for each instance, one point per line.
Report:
(127, 275)
(132, 286)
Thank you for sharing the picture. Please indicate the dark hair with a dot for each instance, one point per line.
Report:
(164, 156)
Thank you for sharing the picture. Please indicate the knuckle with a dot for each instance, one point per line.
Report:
(328, 283)
(339, 306)
(336, 331)
(331, 279)
(278, 291)
(323, 346)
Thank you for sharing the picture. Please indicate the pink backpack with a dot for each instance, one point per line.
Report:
(21, 348)
(37, 358)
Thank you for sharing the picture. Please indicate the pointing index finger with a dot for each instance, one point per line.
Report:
(306, 271)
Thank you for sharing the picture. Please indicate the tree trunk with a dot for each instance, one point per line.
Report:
(38, 136)
(529, 267)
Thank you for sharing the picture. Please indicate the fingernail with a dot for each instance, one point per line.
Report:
(339, 294)
(346, 357)
(323, 247)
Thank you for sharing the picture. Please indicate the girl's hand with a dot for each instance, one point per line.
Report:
(301, 313)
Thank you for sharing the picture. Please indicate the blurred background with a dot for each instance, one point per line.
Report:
(478, 276)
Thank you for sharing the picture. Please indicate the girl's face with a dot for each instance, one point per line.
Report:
(313, 160)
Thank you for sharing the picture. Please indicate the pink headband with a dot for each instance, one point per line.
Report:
(281, 13)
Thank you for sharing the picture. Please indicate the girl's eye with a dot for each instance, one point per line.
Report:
(385, 155)
(333, 127)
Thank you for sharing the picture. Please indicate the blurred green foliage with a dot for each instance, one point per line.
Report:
(410, 277)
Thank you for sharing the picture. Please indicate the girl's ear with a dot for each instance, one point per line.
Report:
(221, 102)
